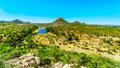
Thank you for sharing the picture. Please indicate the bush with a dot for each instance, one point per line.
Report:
(76, 37)
(118, 41)
(1, 64)
(81, 59)
(69, 38)
(106, 40)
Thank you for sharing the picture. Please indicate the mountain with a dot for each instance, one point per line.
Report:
(60, 21)
(14, 21)
(2, 21)
(76, 22)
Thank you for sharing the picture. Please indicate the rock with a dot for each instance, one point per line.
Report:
(58, 65)
(68, 66)
(83, 67)
(28, 60)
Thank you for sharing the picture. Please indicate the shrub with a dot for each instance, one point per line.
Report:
(69, 38)
(76, 37)
(1, 64)
(117, 41)
(106, 40)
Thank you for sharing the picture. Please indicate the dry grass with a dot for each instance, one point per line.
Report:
(86, 44)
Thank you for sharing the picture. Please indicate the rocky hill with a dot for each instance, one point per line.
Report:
(76, 22)
(60, 21)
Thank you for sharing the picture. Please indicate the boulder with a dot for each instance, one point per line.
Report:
(25, 61)
(58, 65)
(68, 66)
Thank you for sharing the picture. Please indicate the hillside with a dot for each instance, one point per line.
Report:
(76, 22)
(98, 40)
(72, 45)
(60, 21)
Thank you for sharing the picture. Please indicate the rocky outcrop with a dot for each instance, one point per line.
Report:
(60, 65)
(76, 22)
(60, 21)
(25, 61)
(68, 66)
(31, 61)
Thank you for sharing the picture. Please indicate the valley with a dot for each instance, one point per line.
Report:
(60, 42)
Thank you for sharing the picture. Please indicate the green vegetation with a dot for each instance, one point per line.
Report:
(15, 33)
(11, 36)
(102, 38)
(87, 29)
(52, 54)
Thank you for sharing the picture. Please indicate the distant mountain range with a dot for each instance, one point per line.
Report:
(58, 21)
(14, 21)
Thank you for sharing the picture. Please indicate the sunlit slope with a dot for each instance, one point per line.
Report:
(12, 34)
(100, 40)
(69, 44)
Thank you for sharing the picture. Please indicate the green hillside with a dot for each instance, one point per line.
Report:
(84, 45)
(60, 21)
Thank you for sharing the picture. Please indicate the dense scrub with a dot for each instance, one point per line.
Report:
(15, 33)
(97, 39)
(48, 54)
(52, 54)
(73, 29)
(11, 36)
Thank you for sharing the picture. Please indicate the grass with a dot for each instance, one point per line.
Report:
(88, 35)
(90, 61)
(50, 54)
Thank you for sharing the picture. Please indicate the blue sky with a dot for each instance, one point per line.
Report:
(44, 11)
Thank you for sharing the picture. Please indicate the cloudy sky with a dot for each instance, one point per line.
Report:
(44, 11)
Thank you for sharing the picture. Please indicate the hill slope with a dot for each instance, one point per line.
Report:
(60, 21)
(98, 40)
(75, 44)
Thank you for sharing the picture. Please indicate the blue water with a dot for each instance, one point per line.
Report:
(22, 42)
(42, 31)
